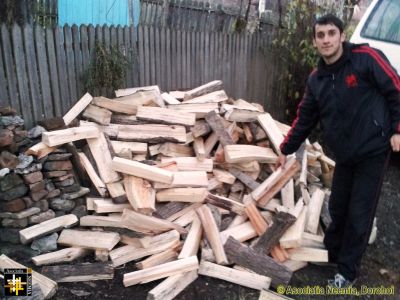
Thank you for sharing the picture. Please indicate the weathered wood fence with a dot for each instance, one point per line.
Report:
(41, 69)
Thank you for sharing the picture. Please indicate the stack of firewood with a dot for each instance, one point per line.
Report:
(188, 175)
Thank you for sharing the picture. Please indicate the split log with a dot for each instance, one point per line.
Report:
(199, 149)
(213, 97)
(247, 180)
(244, 278)
(203, 89)
(28, 234)
(79, 272)
(217, 125)
(88, 239)
(314, 211)
(182, 195)
(272, 130)
(241, 232)
(292, 237)
(140, 193)
(212, 233)
(190, 163)
(97, 114)
(128, 253)
(275, 182)
(141, 170)
(47, 286)
(102, 205)
(310, 240)
(200, 129)
(147, 224)
(161, 271)
(192, 242)
(287, 194)
(133, 147)
(172, 286)
(165, 116)
(226, 203)
(102, 156)
(63, 136)
(96, 180)
(295, 265)
(136, 91)
(169, 209)
(117, 192)
(77, 108)
(257, 262)
(185, 179)
(63, 255)
(199, 109)
(115, 105)
(270, 238)
(308, 254)
(169, 99)
(255, 217)
(40, 150)
(101, 221)
(224, 176)
(175, 150)
(246, 153)
(157, 259)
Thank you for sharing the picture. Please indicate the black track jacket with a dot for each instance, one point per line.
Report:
(356, 100)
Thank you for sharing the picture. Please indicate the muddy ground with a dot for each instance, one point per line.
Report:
(381, 257)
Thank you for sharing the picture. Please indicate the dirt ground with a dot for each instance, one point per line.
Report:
(383, 256)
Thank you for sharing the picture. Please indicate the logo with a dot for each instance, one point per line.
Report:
(17, 282)
(351, 80)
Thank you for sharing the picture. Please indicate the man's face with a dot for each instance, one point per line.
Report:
(328, 41)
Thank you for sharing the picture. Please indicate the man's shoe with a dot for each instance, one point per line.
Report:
(340, 282)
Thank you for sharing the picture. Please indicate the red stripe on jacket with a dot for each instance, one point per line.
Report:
(382, 63)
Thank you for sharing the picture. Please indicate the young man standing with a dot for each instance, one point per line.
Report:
(355, 95)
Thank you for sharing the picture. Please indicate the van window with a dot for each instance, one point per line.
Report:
(384, 22)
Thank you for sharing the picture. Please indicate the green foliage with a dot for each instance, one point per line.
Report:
(294, 46)
(106, 70)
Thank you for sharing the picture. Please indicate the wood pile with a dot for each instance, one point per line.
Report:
(184, 183)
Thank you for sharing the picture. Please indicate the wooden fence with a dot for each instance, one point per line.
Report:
(41, 69)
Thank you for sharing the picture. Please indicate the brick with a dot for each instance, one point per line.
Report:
(9, 181)
(37, 186)
(15, 205)
(59, 156)
(8, 160)
(15, 223)
(6, 137)
(64, 183)
(42, 204)
(14, 193)
(33, 177)
(36, 196)
(62, 165)
(28, 202)
(53, 174)
(62, 178)
(53, 194)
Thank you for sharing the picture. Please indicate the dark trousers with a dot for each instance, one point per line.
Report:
(352, 205)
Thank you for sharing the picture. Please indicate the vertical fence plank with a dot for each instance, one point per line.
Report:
(135, 57)
(157, 58)
(9, 68)
(146, 56)
(62, 70)
(85, 47)
(178, 65)
(69, 53)
(193, 64)
(55, 89)
(78, 59)
(43, 72)
(32, 68)
(173, 60)
(4, 99)
(25, 102)
(184, 57)
(141, 55)
(128, 49)
(168, 59)
(188, 52)
(152, 55)
(163, 63)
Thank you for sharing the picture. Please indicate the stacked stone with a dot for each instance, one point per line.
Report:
(33, 191)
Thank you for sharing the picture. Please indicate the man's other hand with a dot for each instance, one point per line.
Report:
(281, 161)
(395, 142)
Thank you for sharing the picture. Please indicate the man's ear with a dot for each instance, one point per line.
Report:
(314, 43)
(343, 37)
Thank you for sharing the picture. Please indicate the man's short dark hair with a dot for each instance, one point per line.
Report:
(329, 19)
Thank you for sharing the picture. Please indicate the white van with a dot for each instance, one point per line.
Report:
(380, 28)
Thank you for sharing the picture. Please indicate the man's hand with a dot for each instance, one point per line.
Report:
(395, 142)
(281, 161)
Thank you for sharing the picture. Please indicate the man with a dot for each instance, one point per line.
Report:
(355, 95)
